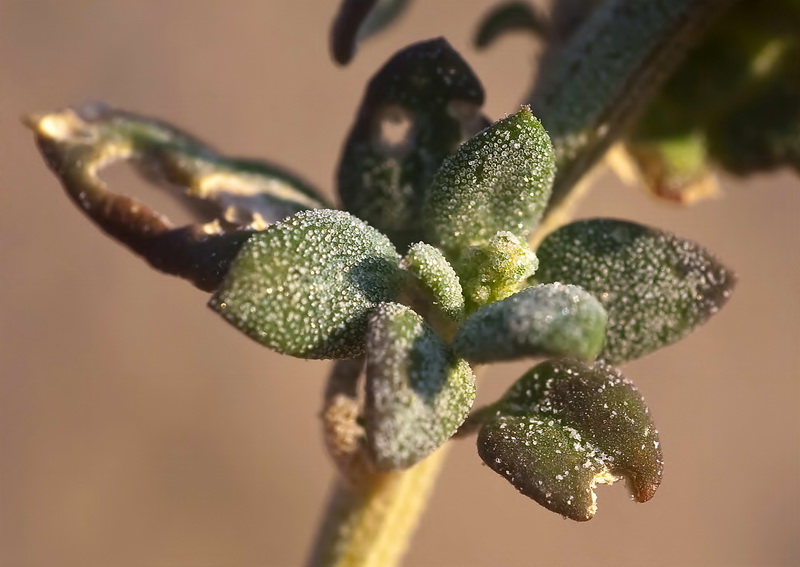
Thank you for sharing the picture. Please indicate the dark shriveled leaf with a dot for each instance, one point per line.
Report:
(306, 286)
(359, 19)
(419, 107)
(655, 286)
(418, 392)
(238, 196)
(510, 17)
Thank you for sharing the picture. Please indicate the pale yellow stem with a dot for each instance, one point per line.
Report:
(370, 526)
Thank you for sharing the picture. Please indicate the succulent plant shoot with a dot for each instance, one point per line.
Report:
(450, 248)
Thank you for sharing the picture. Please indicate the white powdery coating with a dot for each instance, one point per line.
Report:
(499, 180)
(549, 319)
(418, 393)
(305, 287)
(437, 277)
(655, 286)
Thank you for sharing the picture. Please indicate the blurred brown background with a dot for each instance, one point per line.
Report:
(139, 429)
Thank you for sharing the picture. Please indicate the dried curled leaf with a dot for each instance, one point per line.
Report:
(240, 195)
(359, 19)
(418, 392)
(565, 427)
(544, 320)
(508, 17)
(655, 286)
(499, 180)
(306, 286)
(437, 277)
(419, 107)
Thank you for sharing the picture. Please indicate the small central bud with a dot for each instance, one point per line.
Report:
(496, 270)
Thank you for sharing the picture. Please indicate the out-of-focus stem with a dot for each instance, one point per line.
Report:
(607, 72)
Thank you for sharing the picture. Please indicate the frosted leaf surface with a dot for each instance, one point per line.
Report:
(418, 392)
(566, 426)
(544, 320)
(497, 269)
(419, 107)
(500, 180)
(306, 286)
(437, 277)
(655, 286)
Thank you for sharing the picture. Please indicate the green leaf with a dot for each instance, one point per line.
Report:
(306, 286)
(359, 19)
(565, 427)
(422, 104)
(499, 180)
(418, 393)
(655, 286)
(544, 320)
(437, 278)
(508, 17)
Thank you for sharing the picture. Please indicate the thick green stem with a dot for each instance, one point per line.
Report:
(606, 73)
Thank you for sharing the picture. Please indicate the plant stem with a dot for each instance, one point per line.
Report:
(371, 525)
(607, 72)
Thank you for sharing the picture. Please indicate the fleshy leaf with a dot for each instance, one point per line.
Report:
(565, 427)
(496, 270)
(500, 180)
(544, 320)
(437, 277)
(306, 286)
(655, 286)
(422, 104)
(359, 19)
(544, 461)
(508, 17)
(418, 393)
